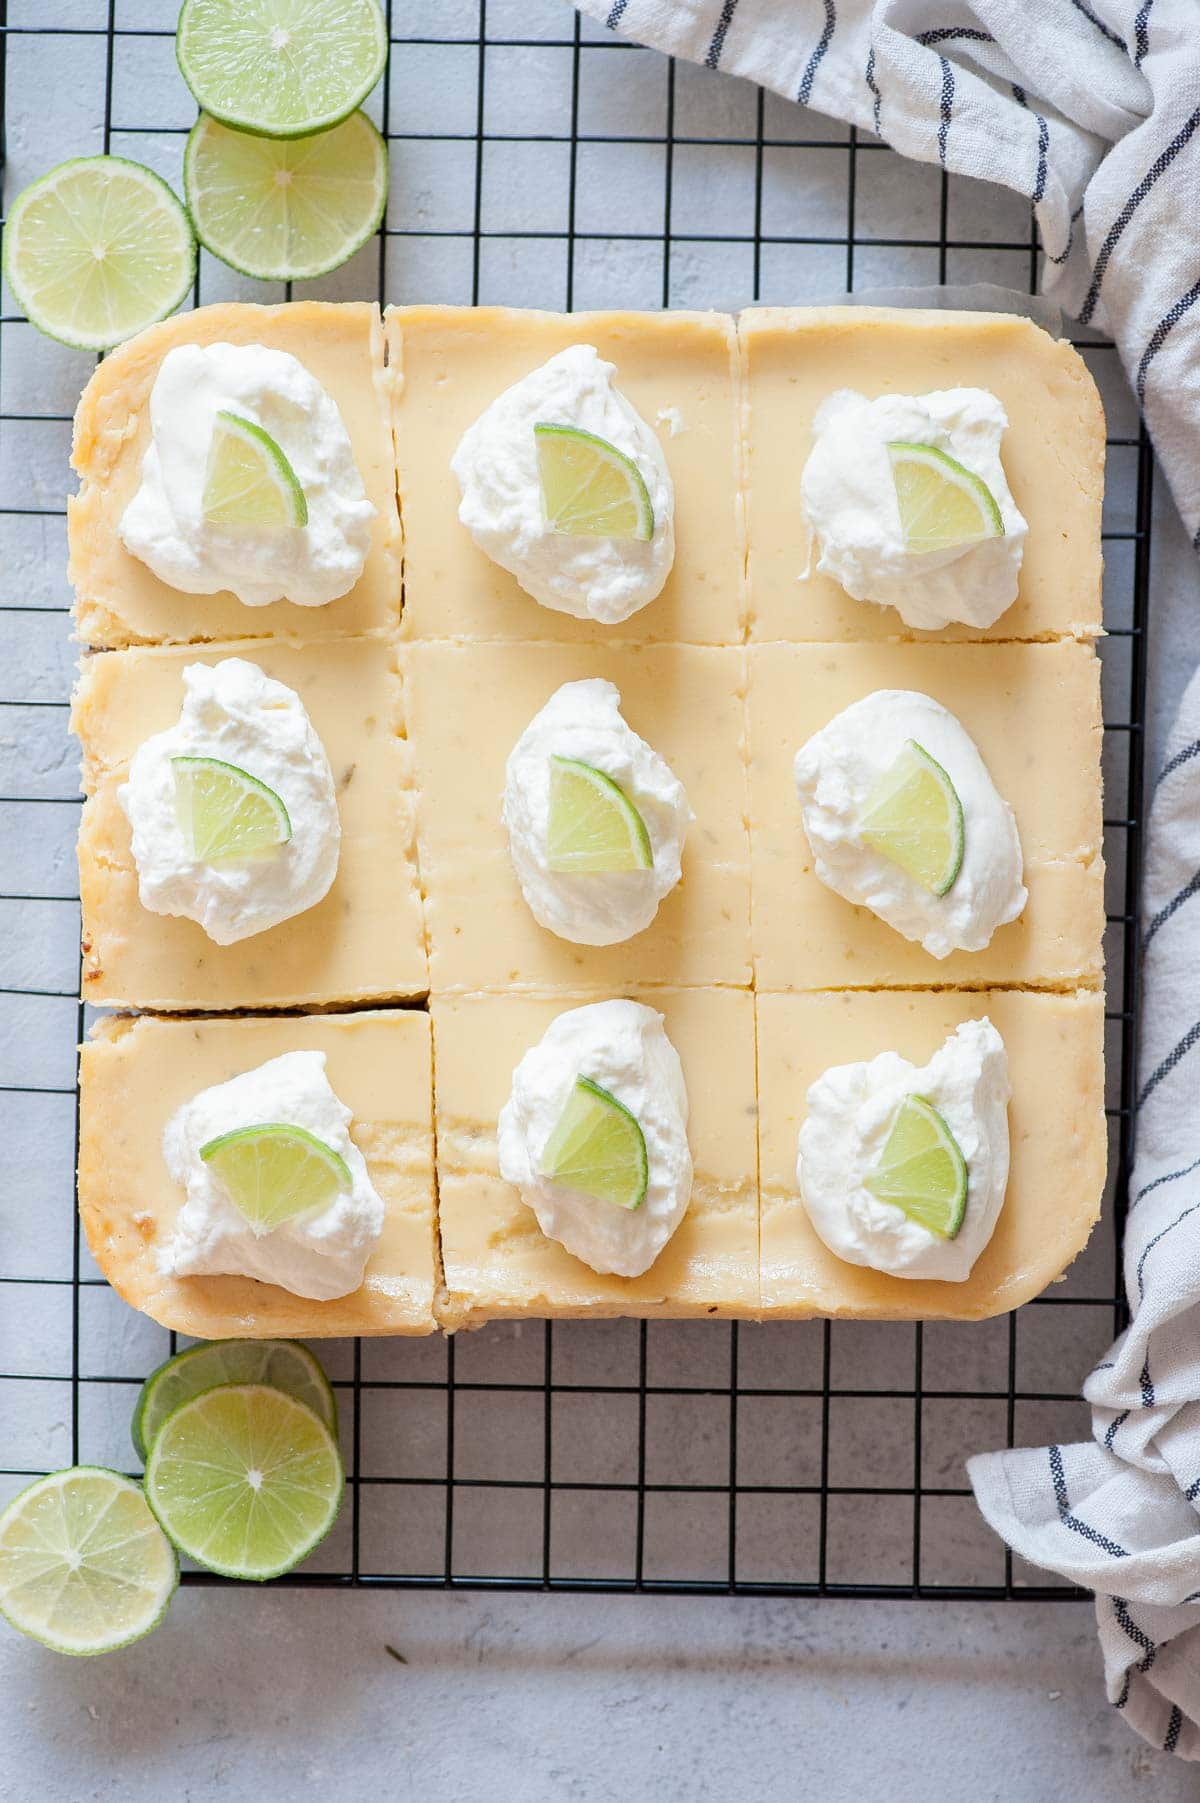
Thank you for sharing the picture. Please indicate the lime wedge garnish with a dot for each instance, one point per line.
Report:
(98, 249)
(942, 503)
(248, 480)
(589, 488)
(275, 1172)
(284, 1364)
(914, 817)
(598, 1147)
(921, 1169)
(84, 1566)
(594, 827)
(245, 1480)
(225, 813)
(282, 68)
(285, 209)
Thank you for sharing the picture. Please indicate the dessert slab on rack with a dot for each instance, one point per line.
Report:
(718, 996)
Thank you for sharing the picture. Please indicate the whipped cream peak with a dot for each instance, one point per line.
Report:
(496, 463)
(848, 494)
(836, 772)
(582, 720)
(234, 712)
(164, 523)
(622, 1046)
(319, 1255)
(852, 1109)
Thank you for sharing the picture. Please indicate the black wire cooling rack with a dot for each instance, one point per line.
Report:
(687, 1457)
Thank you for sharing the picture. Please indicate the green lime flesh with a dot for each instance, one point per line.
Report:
(921, 1169)
(98, 249)
(84, 1566)
(225, 813)
(913, 817)
(275, 1172)
(245, 1479)
(597, 1147)
(594, 828)
(284, 1364)
(590, 489)
(281, 68)
(285, 209)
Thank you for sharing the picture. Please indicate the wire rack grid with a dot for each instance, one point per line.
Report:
(684, 1457)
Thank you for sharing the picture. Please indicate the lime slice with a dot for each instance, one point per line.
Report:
(282, 68)
(84, 1566)
(245, 1480)
(914, 817)
(248, 480)
(96, 250)
(284, 1364)
(942, 503)
(285, 209)
(594, 827)
(921, 1169)
(598, 1147)
(589, 488)
(226, 813)
(275, 1172)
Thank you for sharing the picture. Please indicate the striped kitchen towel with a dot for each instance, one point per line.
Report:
(1120, 1515)
(1090, 107)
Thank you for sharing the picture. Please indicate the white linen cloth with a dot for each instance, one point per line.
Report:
(1121, 1515)
(1089, 107)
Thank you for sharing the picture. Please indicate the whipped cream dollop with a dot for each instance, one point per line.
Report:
(835, 773)
(622, 1046)
(164, 523)
(322, 1254)
(582, 720)
(848, 495)
(851, 1111)
(233, 712)
(496, 463)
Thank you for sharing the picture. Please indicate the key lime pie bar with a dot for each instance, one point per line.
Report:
(1031, 713)
(985, 410)
(485, 722)
(170, 543)
(826, 1094)
(482, 560)
(493, 1181)
(347, 927)
(183, 1195)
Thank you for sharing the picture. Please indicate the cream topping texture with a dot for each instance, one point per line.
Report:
(318, 1255)
(851, 1111)
(582, 720)
(164, 523)
(603, 579)
(848, 495)
(232, 711)
(835, 773)
(622, 1046)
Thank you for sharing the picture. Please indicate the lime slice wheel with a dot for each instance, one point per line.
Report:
(921, 1170)
(284, 1364)
(275, 1172)
(943, 505)
(84, 1566)
(913, 816)
(285, 209)
(598, 1148)
(225, 813)
(248, 480)
(589, 488)
(245, 1480)
(96, 250)
(281, 68)
(594, 827)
